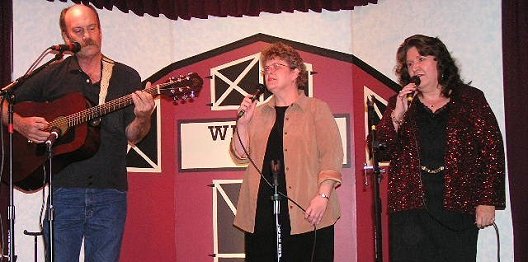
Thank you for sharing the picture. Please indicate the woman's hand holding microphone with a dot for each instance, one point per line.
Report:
(403, 101)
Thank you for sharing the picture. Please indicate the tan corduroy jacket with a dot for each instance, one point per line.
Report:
(313, 153)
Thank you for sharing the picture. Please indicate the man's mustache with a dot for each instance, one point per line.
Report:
(89, 42)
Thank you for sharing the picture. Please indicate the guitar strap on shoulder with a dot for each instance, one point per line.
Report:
(106, 74)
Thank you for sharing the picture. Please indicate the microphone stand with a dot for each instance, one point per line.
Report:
(51, 208)
(7, 92)
(375, 145)
(275, 169)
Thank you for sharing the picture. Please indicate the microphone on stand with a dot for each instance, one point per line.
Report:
(260, 90)
(73, 47)
(55, 132)
(275, 169)
(370, 113)
(415, 80)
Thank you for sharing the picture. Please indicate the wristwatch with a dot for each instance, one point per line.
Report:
(323, 195)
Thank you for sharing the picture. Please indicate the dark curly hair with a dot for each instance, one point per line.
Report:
(291, 56)
(448, 72)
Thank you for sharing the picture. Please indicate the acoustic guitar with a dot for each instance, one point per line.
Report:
(79, 130)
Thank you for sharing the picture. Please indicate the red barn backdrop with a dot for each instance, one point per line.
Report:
(172, 203)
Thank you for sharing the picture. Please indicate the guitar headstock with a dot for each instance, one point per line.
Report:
(182, 88)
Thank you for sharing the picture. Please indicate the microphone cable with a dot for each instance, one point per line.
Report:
(498, 240)
(271, 186)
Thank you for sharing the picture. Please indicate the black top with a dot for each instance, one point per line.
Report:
(265, 219)
(433, 142)
(432, 135)
(107, 168)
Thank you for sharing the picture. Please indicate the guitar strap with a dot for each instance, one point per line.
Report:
(106, 74)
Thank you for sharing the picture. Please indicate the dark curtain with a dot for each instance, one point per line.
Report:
(515, 70)
(6, 25)
(186, 9)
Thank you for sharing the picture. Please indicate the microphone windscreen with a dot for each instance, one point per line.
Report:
(76, 47)
(415, 80)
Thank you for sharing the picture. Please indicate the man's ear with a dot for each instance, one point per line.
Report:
(65, 37)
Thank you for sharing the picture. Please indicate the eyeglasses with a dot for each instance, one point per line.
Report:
(272, 68)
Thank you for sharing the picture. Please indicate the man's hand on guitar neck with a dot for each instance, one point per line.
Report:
(143, 103)
(32, 128)
(143, 108)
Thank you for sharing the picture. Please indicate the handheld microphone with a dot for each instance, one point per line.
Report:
(260, 90)
(73, 47)
(415, 80)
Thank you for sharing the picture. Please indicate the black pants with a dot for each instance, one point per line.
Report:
(433, 234)
(295, 248)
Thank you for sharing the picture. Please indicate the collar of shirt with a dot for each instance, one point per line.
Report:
(301, 104)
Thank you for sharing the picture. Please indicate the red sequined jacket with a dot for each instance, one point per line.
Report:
(474, 159)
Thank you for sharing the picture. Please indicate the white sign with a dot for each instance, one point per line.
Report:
(205, 145)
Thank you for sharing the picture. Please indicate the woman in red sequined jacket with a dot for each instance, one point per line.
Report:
(447, 157)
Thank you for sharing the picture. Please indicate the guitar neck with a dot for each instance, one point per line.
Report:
(100, 110)
(184, 87)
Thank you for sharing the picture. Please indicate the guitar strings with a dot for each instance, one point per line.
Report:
(99, 110)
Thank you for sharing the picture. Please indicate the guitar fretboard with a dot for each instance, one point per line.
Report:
(99, 110)
(182, 87)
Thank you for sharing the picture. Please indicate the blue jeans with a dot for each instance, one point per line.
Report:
(97, 215)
